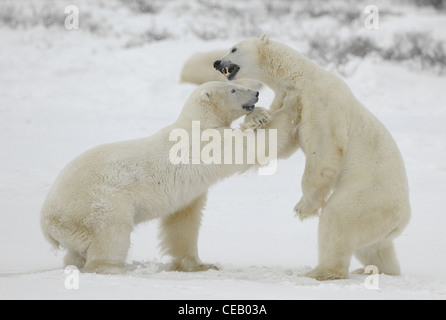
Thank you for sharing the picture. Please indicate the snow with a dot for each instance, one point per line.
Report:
(63, 92)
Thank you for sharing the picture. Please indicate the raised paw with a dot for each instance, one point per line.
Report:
(256, 119)
(305, 210)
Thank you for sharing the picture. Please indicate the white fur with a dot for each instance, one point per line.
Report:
(101, 195)
(354, 173)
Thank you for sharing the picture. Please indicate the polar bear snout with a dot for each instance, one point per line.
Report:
(229, 70)
(249, 106)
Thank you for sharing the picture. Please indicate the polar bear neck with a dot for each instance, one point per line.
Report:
(209, 115)
(283, 67)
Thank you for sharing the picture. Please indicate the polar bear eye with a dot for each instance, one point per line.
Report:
(234, 50)
(233, 91)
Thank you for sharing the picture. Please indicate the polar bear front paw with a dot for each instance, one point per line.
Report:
(195, 268)
(304, 210)
(256, 119)
(191, 265)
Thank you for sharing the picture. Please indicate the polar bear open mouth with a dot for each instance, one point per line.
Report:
(251, 104)
(230, 72)
(248, 107)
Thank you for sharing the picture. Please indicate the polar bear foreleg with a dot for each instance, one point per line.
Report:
(278, 101)
(321, 166)
(285, 121)
(179, 237)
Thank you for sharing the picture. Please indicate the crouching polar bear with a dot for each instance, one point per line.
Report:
(101, 195)
(354, 173)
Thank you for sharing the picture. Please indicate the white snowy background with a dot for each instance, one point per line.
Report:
(117, 77)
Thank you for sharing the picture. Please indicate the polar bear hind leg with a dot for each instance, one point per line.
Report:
(108, 249)
(107, 253)
(381, 255)
(73, 258)
(346, 227)
(179, 237)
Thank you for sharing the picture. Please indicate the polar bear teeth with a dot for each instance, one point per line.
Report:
(225, 71)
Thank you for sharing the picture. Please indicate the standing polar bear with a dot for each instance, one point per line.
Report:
(101, 195)
(354, 171)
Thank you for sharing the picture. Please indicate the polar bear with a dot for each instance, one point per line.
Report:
(198, 70)
(101, 195)
(354, 173)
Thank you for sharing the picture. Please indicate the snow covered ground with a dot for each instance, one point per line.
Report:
(63, 92)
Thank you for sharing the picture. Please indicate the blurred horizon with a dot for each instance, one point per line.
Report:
(410, 32)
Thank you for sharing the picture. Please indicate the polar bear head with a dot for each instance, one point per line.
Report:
(223, 100)
(243, 59)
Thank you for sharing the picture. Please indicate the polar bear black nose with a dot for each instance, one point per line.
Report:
(257, 94)
(217, 64)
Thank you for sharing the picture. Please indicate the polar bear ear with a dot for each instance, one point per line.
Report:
(205, 95)
(265, 38)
